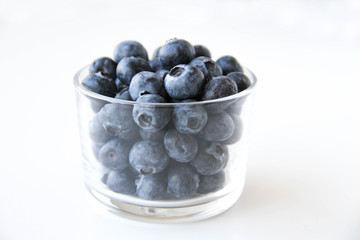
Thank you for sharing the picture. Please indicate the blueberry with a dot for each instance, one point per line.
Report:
(181, 147)
(219, 127)
(155, 65)
(211, 183)
(208, 67)
(123, 93)
(105, 66)
(152, 187)
(201, 50)
(241, 80)
(115, 154)
(236, 136)
(189, 119)
(96, 104)
(146, 83)
(229, 64)
(129, 49)
(156, 53)
(162, 73)
(183, 181)
(184, 82)
(219, 87)
(211, 159)
(149, 116)
(148, 157)
(97, 132)
(174, 52)
(116, 120)
(95, 147)
(152, 134)
(122, 181)
(100, 84)
(129, 66)
(103, 173)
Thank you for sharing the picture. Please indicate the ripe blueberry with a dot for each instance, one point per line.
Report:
(129, 49)
(129, 66)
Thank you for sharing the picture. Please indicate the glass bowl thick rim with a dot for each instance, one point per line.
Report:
(79, 87)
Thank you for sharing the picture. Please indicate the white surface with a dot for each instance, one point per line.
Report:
(304, 167)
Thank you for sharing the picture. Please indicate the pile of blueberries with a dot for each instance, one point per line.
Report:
(161, 151)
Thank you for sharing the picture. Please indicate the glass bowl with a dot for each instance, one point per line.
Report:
(190, 164)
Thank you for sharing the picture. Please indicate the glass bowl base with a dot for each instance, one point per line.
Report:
(166, 214)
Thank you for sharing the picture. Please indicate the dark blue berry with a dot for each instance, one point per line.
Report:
(155, 65)
(105, 66)
(201, 50)
(148, 157)
(146, 83)
(129, 49)
(129, 66)
(229, 64)
(117, 121)
(181, 147)
(219, 127)
(174, 52)
(183, 181)
(122, 181)
(241, 80)
(152, 134)
(123, 93)
(207, 66)
(97, 132)
(115, 154)
(100, 84)
(162, 73)
(236, 136)
(211, 183)
(156, 53)
(184, 82)
(152, 187)
(149, 116)
(189, 119)
(211, 159)
(219, 87)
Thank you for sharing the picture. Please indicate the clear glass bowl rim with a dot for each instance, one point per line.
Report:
(79, 87)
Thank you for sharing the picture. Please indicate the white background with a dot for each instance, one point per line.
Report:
(303, 178)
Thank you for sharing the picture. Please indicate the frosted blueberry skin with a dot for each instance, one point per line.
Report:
(148, 157)
(146, 134)
(211, 159)
(155, 65)
(201, 50)
(211, 183)
(97, 132)
(236, 136)
(156, 53)
(129, 49)
(181, 147)
(174, 52)
(184, 82)
(105, 66)
(162, 73)
(151, 117)
(115, 119)
(208, 67)
(229, 64)
(219, 127)
(123, 93)
(189, 119)
(242, 82)
(114, 154)
(152, 187)
(183, 181)
(122, 181)
(146, 83)
(219, 87)
(100, 84)
(128, 67)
